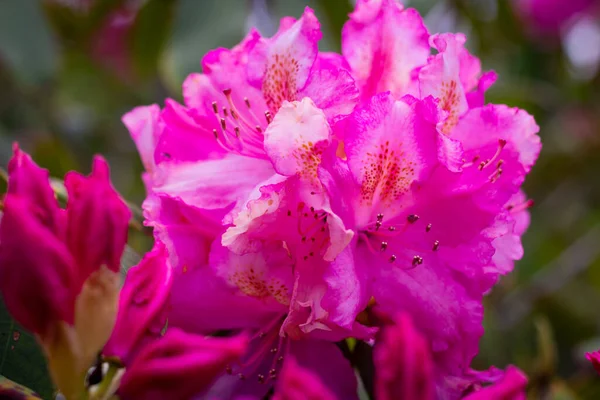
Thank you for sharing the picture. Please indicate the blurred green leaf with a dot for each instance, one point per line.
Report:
(150, 33)
(26, 42)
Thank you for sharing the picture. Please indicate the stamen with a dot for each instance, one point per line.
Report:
(501, 144)
(514, 208)
(392, 258)
(436, 245)
(268, 117)
(247, 102)
(225, 113)
(223, 124)
(428, 228)
(417, 260)
(215, 107)
(384, 246)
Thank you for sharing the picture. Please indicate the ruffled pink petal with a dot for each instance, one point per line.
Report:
(265, 275)
(143, 297)
(280, 66)
(445, 306)
(202, 302)
(296, 139)
(404, 367)
(383, 44)
(179, 366)
(143, 125)
(390, 145)
(213, 184)
(441, 77)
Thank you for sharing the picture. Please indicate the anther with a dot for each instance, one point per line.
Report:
(216, 134)
(377, 225)
(247, 102)
(274, 350)
(268, 117)
(215, 107)
(379, 217)
(258, 129)
(273, 371)
(312, 209)
(234, 114)
(223, 124)
(392, 228)
(225, 113)
(481, 165)
(262, 335)
(384, 246)
(261, 378)
(289, 213)
(280, 359)
(392, 258)
(237, 131)
(417, 260)
(436, 245)
(428, 228)
(412, 218)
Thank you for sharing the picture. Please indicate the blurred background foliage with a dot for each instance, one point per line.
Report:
(70, 68)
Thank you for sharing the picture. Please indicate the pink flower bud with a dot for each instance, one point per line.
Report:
(142, 299)
(403, 363)
(179, 366)
(97, 220)
(510, 387)
(36, 269)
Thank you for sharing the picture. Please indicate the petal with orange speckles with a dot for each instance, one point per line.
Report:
(384, 43)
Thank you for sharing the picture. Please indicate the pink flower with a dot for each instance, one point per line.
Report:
(46, 253)
(142, 301)
(425, 225)
(594, 358)
(403, 363)
(227, 111)
(548, 17)
(178, 366)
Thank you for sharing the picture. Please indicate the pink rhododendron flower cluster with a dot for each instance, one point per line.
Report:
(297, 199)
(297, 190)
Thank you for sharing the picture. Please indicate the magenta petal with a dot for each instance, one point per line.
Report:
(36, 270)
(403, 363)
(383, 44)
(142, 298)
(179, 366)
(510, 387)
(594, 358)
(97, 220)
(29, 181)
(298, 383)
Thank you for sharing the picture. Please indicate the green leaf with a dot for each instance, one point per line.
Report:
(21, 358)
(150, 31)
